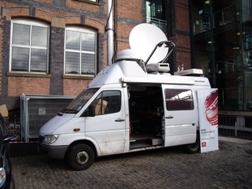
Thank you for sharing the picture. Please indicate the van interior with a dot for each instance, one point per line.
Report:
(146, 113)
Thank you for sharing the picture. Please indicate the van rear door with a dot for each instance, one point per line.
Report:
(180, 119)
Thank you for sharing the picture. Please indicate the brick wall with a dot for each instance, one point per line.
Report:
(28, 85)
(183, 53)
(58, 14)
(183, 49)
(56, 61)
(1, 51)
(5, 60)
(132, 11)
(61, 13)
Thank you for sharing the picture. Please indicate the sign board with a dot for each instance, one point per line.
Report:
(208, 119)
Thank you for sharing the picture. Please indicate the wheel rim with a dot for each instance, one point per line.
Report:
(82, 157)
(194, 146)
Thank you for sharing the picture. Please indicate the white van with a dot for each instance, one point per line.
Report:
(126, 108)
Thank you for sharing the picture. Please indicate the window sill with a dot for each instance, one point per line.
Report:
(78, 77)
(90, 2)
(18, 74)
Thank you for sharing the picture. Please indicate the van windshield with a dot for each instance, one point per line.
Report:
(76, 105)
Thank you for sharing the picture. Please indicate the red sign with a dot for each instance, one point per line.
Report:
(203, 144)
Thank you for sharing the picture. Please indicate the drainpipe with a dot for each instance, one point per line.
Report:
(110, 33)
(115, 30)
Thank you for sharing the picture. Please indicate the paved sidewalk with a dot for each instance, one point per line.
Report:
(230, 167)
(234, 140)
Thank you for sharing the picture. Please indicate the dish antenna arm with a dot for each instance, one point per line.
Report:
(169, 44)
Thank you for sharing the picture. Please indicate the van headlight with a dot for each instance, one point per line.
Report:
(2, 176)
(49, 139)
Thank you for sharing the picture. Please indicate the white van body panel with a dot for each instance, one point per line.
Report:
(108, 130)
(180, 126)
(55, 123)
(173, 135)
(108, 134)
(130, 72)
(114, 73)
(75, 125)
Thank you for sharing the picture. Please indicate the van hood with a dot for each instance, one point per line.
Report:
(54, 123)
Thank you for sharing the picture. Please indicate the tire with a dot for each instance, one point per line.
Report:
(193, 148)
(80, 157)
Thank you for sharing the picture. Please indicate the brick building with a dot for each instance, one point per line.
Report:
(56, 47)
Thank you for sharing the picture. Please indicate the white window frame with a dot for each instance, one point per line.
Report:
(96, 1)
(30, 47)
(81, 30)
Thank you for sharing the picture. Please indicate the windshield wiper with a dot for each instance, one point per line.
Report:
(65, 110)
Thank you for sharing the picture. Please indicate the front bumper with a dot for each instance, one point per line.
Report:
(57, 152)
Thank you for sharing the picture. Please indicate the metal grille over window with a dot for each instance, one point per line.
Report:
(80, 51)
(29, 42)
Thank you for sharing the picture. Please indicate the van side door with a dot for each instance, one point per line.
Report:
(180, 119)
(107, 126)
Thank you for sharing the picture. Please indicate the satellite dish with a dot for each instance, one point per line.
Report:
(143, 38)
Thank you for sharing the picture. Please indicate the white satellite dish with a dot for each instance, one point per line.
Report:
(144, 38)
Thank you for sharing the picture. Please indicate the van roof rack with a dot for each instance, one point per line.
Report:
(190, 72)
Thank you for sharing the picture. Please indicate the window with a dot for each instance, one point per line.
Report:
(29, 46)
(155, 13)
(77, 104)
(179, 99)
(80, 51)
(107, 102)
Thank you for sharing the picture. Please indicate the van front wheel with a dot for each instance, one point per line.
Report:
(193, 148)
(80, 157)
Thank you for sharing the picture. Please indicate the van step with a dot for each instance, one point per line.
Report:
(145, 142)
(156, 141)
(138, 145)
(132, 140)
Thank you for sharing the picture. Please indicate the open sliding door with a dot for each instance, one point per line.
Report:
(180, 119)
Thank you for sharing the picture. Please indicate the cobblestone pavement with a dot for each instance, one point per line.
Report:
(229, 167)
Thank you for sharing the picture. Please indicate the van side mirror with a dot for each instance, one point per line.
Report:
(89, 112)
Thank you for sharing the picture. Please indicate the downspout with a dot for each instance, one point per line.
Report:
(115, 30)
(110, 33)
